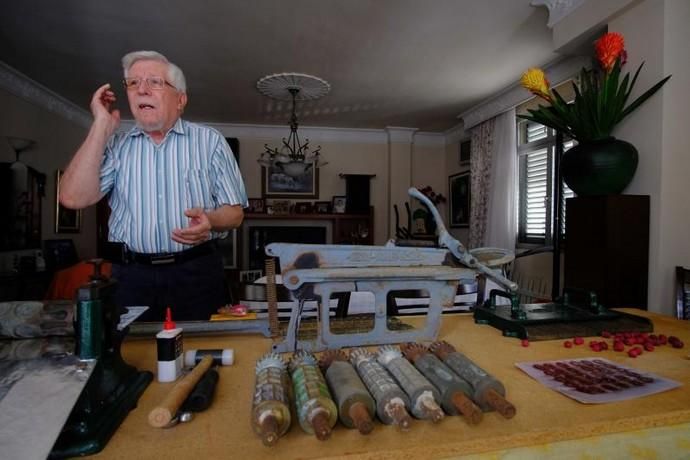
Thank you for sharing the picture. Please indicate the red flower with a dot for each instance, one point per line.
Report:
(608, 48)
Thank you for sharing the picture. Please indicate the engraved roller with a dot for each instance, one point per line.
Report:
(316, 410)
(271, 403)
(455, 392)
(488, 392)
(390, 399)
(423, 395)
(356, 407)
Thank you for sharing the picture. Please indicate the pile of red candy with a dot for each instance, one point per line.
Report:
(636, 341)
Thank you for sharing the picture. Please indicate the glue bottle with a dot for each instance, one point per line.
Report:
(170, 356)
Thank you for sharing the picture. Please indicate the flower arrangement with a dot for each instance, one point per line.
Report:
(434, 197)
(600, 100)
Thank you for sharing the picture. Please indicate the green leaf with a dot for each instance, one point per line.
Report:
(646, 95)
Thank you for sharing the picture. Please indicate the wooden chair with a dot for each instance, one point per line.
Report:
(682, 293)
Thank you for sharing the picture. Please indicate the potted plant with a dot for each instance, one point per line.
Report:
(599, 164)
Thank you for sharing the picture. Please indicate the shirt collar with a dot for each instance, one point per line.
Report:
(178, 128)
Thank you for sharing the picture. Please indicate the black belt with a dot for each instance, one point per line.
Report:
(119, 253)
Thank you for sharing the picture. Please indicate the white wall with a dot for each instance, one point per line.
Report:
(656, 31)
(675, 169)
(56, 139)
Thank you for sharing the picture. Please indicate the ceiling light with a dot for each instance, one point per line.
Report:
(293, 158)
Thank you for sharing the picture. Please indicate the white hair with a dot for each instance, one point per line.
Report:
(175, 74)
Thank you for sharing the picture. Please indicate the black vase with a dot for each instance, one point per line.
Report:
(601, 167)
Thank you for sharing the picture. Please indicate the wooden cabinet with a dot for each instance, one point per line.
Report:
(607, 248)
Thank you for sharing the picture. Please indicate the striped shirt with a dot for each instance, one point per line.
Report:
(152, 185)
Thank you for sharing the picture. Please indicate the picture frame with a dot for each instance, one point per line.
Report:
(339, 204)
(464, 151)
(459, 200)
(228, 249)
(275, 183)
(281, 207)
(66, 220)
(322, 207)
(304, 207)
(256, 205)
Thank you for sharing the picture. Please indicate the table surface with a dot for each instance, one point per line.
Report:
(543, 416)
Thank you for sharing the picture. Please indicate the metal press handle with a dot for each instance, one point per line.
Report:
(456, 248)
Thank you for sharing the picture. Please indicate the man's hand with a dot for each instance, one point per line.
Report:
(102, 108)
(199, 229)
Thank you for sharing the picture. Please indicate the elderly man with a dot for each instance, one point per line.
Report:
(174, 187)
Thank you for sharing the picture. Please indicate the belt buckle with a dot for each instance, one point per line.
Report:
(163, 259)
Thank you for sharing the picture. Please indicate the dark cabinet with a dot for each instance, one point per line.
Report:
(607, 248)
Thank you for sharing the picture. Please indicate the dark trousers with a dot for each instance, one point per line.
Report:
(193, 289)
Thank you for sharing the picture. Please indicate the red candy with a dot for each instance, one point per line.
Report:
(638, 341)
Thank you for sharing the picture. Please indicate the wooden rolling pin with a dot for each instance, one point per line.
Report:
(161, 415)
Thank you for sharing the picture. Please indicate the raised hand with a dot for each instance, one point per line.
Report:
(199, 229)
(102, 108)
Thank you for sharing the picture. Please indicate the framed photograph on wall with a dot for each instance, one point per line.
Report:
(275, 183)
(459, 199)
(229, 249)
(66, 220)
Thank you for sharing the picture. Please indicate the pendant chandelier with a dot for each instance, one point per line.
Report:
(293, 158)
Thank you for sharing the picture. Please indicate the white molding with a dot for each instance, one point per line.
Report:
(22, 86)
(558, 9)
(323, 134)
(400, 135)
(313, 133)
(426, 139)
(557, 72)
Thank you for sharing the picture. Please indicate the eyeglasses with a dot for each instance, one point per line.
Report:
(156, 83)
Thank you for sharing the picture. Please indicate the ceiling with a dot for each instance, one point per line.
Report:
(406, 63)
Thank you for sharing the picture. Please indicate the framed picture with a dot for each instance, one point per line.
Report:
(256, 205)
(339, 204)
(275, 183)
(66, 220)
(459, 199)
(464, 151)
(322, 207)
(228, 249)
(303, 208)
(281, 207)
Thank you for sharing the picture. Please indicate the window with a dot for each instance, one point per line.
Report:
(536, 150)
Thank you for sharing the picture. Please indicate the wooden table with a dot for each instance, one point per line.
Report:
(543, 416)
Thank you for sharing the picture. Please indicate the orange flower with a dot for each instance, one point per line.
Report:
(608, 48)
(535, 81)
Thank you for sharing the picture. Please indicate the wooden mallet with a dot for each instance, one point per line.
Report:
(162, 415)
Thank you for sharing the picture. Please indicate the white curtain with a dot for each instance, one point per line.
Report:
(481, 154)
(501, 222)
(493, 221)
